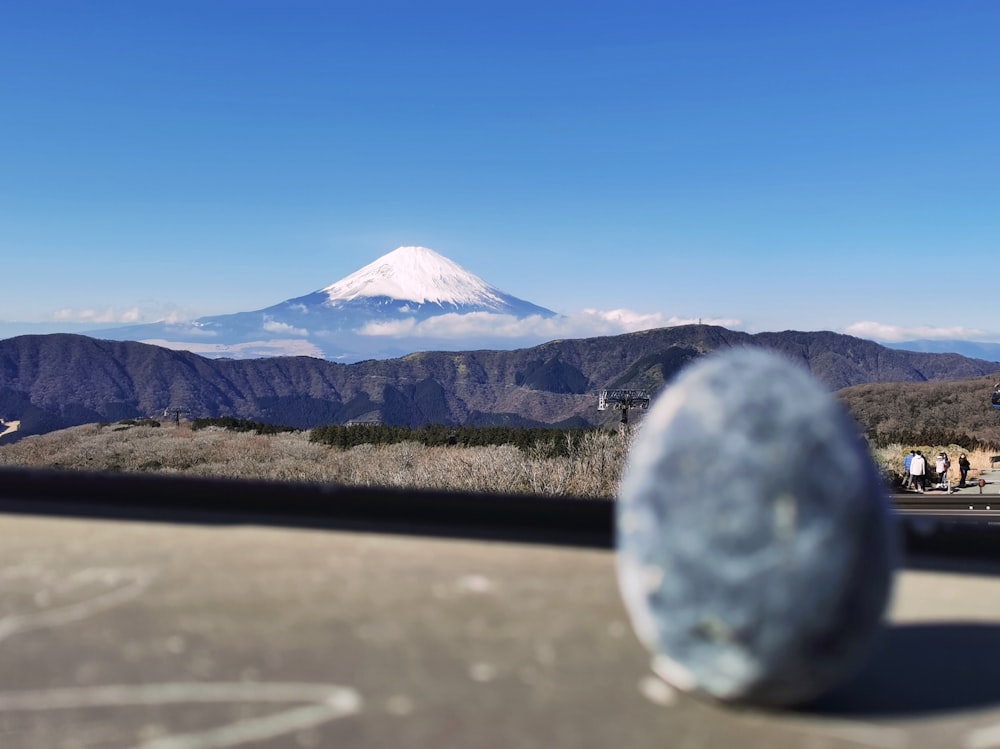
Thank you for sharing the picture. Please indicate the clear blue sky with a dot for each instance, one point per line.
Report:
(772, 165)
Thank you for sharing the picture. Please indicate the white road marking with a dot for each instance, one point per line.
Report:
(137, 582)
(330, 702)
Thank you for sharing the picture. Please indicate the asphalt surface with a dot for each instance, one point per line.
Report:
(182, 635)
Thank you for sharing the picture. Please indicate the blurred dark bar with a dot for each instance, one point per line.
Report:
(157, 497)
(942, 525)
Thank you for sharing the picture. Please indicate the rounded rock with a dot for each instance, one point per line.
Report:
(755, 542)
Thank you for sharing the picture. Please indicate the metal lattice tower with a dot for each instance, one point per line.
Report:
(623, 400)
(175, 413)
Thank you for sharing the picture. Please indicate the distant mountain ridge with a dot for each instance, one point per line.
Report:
(349, 320)
(53, 381)
(974, 349)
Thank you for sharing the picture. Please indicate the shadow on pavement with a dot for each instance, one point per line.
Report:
(920, 669)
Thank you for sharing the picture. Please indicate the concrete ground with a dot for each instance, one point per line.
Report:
(124, 633)
(990, 477)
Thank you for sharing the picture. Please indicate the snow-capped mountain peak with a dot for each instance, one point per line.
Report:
(409, 297)
(415, 274)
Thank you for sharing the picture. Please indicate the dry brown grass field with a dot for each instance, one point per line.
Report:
(890, 460)
(592, 469)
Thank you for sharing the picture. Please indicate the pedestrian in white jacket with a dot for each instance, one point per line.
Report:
(941, 465)
(918, 469)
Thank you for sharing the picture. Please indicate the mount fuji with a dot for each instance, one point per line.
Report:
(411, 298)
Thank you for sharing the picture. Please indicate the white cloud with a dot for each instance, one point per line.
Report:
(174, 317)
(133, 315)
(391, 328)
(109, 315)
(273, 326)
(884, 332)
(585, 323)
(591, 322)
(247, 350)
(181, 328)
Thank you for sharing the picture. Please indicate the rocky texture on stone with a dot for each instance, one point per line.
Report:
(756, 545)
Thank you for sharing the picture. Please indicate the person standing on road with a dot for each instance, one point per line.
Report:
(918, 468)
(907, 476)
(963, 469)
(941, 466)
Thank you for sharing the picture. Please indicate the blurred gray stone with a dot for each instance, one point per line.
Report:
(755, 542)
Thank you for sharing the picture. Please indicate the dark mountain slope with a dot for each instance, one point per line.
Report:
(841, 361)
(52, 381)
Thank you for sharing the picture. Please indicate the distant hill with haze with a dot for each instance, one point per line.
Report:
(52, 381)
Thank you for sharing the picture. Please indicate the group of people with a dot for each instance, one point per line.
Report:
(917, 469)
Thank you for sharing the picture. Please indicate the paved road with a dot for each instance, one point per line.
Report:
(171, 614)
(125, 633)
(990, 490)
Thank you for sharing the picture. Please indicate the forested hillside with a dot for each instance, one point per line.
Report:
(927, 412)
(54, 381)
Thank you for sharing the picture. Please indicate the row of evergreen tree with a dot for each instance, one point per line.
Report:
(929, 436)
(233, 424)
(551, 442)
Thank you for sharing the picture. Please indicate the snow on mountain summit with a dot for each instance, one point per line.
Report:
(416, 274)
(410, 294)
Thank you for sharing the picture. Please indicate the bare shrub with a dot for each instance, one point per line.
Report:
(890, 460)
(591, 469)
